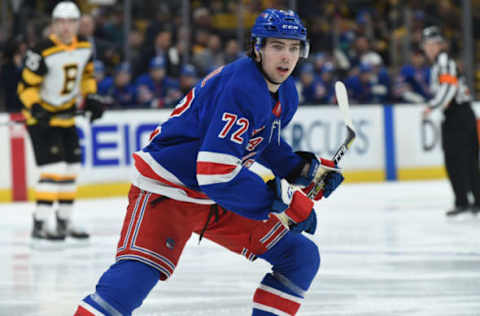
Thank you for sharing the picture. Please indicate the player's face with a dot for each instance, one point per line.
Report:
(432, 48)
(280, 56)
(65, 29)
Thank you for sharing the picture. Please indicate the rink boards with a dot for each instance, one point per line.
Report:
(393, 143)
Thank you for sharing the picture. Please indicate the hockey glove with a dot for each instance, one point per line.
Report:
(40, 114)
(292, 207)
(312, 169)
(331, 182)
(95, 106)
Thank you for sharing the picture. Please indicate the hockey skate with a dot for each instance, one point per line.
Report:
(458, 210)
(66, 229)
(40, 231)
(475, 209)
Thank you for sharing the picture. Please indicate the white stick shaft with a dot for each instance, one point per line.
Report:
(342, 100)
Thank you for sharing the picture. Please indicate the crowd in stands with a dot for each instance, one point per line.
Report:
(364, 43)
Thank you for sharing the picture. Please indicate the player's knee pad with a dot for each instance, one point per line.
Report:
(295, 260)
(122, 288)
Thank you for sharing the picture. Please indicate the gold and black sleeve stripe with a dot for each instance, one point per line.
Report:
(34, 69)
(89, 84)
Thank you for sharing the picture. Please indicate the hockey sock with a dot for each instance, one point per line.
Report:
(273, 297)
(295, 261)
(46, 189)
(67, 190)
(120, 290)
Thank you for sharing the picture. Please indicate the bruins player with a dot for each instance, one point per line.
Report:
(55, 73)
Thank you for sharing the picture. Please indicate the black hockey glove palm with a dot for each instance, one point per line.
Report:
(95, 105)
(40, 114)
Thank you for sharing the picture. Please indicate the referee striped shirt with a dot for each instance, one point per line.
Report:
(448, 88)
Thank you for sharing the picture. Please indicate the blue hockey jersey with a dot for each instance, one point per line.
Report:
(201, 154)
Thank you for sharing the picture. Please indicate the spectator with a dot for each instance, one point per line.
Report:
(113, 26)
(309, 86)
(211, 57)
(327, 91)
(188, 78)
(162, 47)
(10, 73)
(103, 81)
(360, 85)
(361, 47)
(319, 59)
(201, 41)
(101, 49)
(380, 79)
(155, 89)
(412, 84)
(120, 88)
(232, 51)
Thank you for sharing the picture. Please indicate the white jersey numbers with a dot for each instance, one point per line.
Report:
(231, 120)
(32, 60)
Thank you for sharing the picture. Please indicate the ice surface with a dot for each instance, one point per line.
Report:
(387, 249)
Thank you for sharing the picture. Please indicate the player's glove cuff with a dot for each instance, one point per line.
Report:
(293, 208)
(95, 105)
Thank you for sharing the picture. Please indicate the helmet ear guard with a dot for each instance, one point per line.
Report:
(305, 49)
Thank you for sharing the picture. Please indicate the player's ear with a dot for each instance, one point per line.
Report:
(258, 57)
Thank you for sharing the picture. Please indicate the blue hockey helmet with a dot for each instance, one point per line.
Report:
(280, 24)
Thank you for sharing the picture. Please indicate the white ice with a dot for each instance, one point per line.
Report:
(387, 249)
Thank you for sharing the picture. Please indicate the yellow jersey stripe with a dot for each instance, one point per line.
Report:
(62, 122)
(62, 107)
(89, 85)
(29, 96)
(31, 78)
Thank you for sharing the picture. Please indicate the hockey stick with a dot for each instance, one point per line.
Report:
(342, 100)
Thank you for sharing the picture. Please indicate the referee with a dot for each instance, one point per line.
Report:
(459, 126)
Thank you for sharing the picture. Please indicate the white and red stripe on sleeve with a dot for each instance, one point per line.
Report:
(216, 167)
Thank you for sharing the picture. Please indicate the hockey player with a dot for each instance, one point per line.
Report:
(193, 177)
(55, 72)
(459, 127)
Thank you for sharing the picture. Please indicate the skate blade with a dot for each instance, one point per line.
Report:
(77, 243)
(463, 217)
(47, 245)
